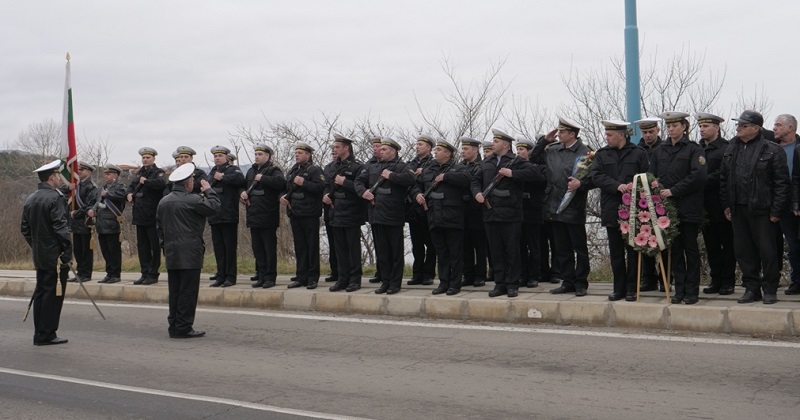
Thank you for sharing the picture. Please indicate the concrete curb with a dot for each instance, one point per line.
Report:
(715, 316)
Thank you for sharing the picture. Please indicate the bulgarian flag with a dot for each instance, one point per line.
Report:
(69, 152)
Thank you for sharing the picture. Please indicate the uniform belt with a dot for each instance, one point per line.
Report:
(217, 190)
(339, 194)
(298, 196)
(526, 196)
(501, 193)
(384, 190)
(466, 197)
(437, 195)
(139, 195)
(257, 192)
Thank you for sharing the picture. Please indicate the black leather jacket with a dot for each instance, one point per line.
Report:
(88, 193)
(44, 225)
(227, 189)
(681, 168)
(180, 222)
(264, 209)
(349, 209)
(306, 199)
(767, 176)
(390, 197)
(445, 202)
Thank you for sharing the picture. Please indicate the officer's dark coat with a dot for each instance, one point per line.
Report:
(506, 199)
(105, 220)
(682, 169)
(445, 202)
(306, 200)
(612, 167)
(390, 197)
(147, 196)
(87, 190)
(227, 189)
(44, 226)
(349, 209)
(180, 222)
(264, 209)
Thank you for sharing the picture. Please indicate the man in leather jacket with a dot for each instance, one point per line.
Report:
(180, 222)
(226, 180)
(754, 189)
(46, 229)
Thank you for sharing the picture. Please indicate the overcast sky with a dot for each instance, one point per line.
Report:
(167, 73)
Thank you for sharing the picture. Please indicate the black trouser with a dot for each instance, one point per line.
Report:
(530, 255)
(474, 255)
(112, 253)
(46, 305)
(149, 250)
(388, 242)
(686, 261)
(377, 269)
(332, 261)
(449, 245)
(756, 251)
(624, 271)
(84, 256)
(571, 254)
(422, 248)
(265, 251)
(184, 286)
(504, 242)
(305, 231)
(649, 275)
(549, 270)
(718, 237)
(348, 253)
(225, 239)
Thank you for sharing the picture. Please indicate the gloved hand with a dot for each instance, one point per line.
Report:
(66, 258)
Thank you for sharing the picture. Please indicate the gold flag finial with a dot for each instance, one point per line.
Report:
(67, 55)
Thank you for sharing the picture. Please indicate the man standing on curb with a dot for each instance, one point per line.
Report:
(108, 223)
(80, 222)
(226, 179)
(651, 141)
(303, 200)
(46, 229)
(718, 232)
(180, 222)
(388, 212)
(785, 129)
(502, 214)
(265, 184)
(613, 169)
(144, 192)
(424, 266)
(474, 232)
(754, 188)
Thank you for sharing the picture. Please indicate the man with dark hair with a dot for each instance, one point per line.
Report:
(568, 221)
(474, 231)
(303, 200)
(613, 169)
(502, 214)
(785, 129)
(265, 184)
(226, 180)
(348, 214)
(108, 221)
(754, 190)
(650, 142)
(718, 232)
(388, 211)
(46, 229)
(424, 266)
(180, 222)
(81, 223)
(144, 192)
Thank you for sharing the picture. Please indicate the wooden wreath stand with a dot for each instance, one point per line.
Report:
(664, 273)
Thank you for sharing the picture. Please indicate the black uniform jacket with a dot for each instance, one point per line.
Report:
(146, 196)
(561, 162)
(227, 189)
(611, 168)
(714, 152)
(413, 209)
(44, 226)
(506, 198)
(473, 211)
(349, 209)
(264, 209)
(446, 201)
(180, 222)
(89, 195)
(390, 197)
(306, 200)
(767, 176)
(105, 220)
(681, 168)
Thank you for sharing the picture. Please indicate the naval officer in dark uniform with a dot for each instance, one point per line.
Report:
(81, 223)
(474, 233)
(144, 193)
(226, 180)
(180, 222)
(108, 217)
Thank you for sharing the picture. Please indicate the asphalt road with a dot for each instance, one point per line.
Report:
(261, 364)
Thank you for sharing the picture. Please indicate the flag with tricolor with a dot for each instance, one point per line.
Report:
(69, 152)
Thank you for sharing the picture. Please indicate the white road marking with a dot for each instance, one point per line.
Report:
(442, 325)
(193, 397)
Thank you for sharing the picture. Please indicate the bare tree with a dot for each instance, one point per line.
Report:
(41, 139)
